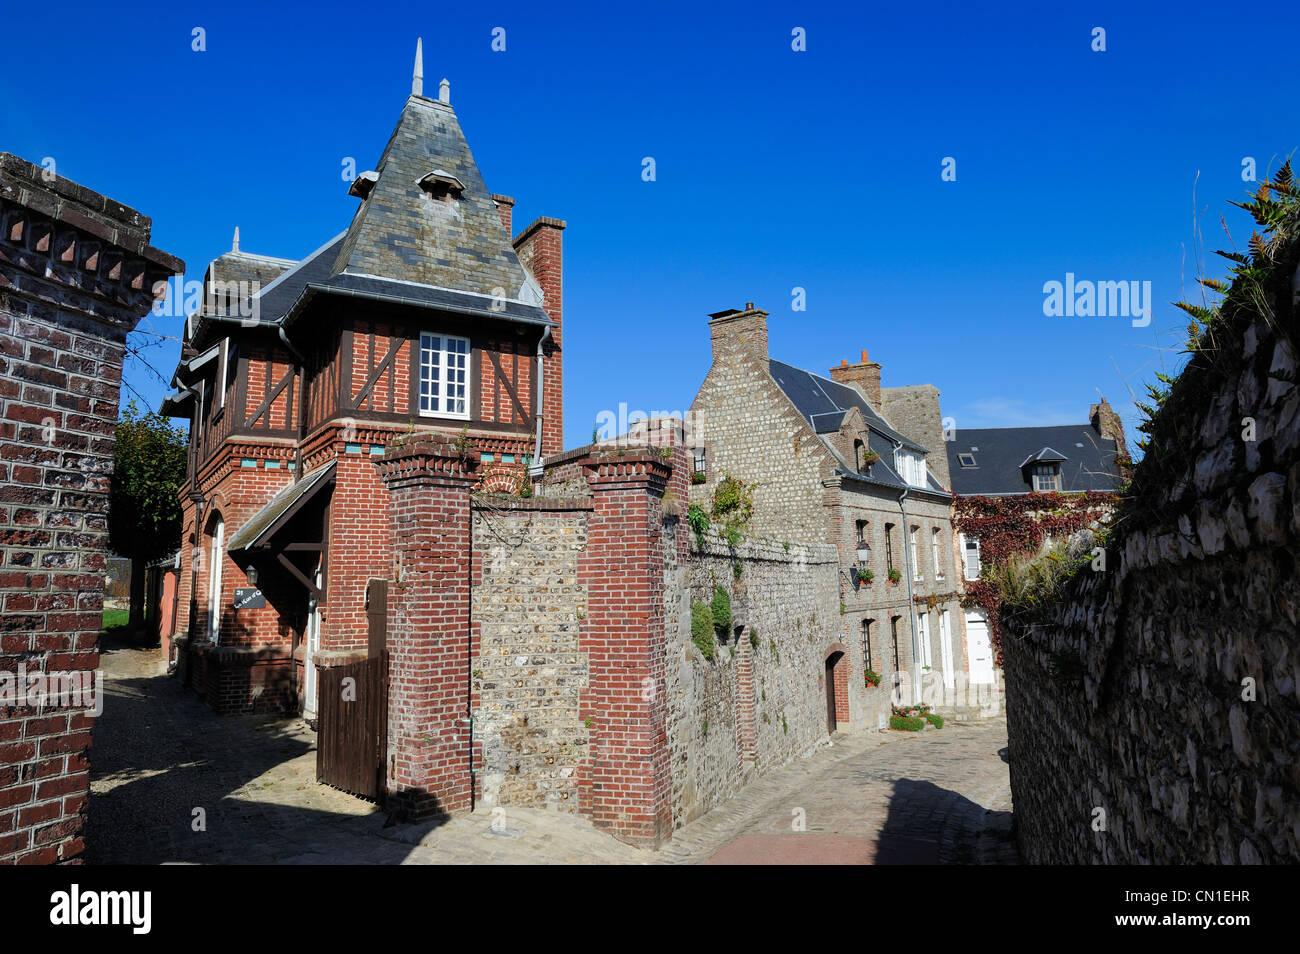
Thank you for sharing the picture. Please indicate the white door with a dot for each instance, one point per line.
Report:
(313, 647)
(945, 649)
(978, 649)
(215, 561)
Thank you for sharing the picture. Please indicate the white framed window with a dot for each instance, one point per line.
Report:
(444, 375)
(970, 548)
(923, 638)
(911, 467)
(936, 551)
(914, 543)
(945, 649)
(215, 562)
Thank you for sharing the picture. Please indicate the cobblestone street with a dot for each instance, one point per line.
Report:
(159, 756)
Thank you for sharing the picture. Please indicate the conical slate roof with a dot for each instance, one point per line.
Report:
(444, 233)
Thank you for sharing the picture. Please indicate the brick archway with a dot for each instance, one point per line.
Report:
(837, 686)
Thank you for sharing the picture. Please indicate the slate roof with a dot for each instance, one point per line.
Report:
(267, 520)
(1087, 460)
(402, 232)
(824, 403)
(404, 244)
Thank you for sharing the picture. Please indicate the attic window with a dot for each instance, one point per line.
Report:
(362, 184)
(967, 460)
(1047, 477)
(442, 185)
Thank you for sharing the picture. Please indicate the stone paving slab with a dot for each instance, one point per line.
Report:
(158, 755)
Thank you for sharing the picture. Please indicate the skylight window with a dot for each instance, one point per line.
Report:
(967, 460)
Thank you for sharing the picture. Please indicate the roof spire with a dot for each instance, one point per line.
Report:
(235, 246)
(417, 78)
(444, 92)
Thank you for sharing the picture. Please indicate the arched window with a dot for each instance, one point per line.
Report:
(860, 456)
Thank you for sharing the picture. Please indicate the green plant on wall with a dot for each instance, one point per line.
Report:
(702, 629)
(733, 508)
(699, 521)
(721, 610)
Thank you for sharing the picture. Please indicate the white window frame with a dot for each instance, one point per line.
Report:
(915, 548)
(436, 394)
(945, 649)
(936, 549)
(966, 550)
(911, 467)
(215, 563)
(923, 631)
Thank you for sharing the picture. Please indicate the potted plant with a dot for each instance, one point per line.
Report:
(863, 575)
(697, 477)
(895, 576)
(872, 678)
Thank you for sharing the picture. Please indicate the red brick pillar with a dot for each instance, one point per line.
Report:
(429, 627)
(541, 249)
(626, 786)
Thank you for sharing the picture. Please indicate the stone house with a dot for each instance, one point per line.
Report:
(77, 273)
(1018, 462)
(831, 468)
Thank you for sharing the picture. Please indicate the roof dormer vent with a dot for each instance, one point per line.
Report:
(441, 185)
(362, 184)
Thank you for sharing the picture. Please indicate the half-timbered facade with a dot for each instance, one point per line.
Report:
(424, 315)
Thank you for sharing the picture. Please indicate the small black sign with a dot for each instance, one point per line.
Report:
(249, 599)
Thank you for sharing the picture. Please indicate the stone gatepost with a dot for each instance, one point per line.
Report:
(429, 759)
(625, 787)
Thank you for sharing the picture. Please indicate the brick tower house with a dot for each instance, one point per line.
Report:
(423, 317)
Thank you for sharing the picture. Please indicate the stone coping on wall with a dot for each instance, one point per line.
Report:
(534, 504)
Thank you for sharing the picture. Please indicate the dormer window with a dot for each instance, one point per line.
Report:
(1042, 471)
(911, 467)
(442, 185)
(1047, 477)
(362, 184)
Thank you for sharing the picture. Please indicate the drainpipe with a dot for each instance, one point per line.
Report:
(536, 469)
(911, 603)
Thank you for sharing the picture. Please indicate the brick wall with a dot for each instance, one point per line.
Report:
(66, 254)
(540, 248)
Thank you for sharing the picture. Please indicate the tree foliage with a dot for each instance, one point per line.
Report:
(144, 516)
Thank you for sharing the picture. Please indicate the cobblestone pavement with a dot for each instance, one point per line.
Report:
(159, 756)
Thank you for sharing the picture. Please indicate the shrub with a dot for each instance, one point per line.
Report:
(906, 723)
(721, 610)
(702, 629)
(699, 521)
(934, 720)
(733, 507)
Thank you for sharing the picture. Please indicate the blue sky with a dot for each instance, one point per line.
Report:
(775, 169)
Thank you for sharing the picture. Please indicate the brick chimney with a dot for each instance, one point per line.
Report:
(865, 376)
(733, 332)
(541, 250)
(505, 209)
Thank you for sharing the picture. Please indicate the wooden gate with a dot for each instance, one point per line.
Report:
(352, 727)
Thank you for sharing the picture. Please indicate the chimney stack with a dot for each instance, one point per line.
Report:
(1108, 426)
(865, 376)
(734, 332)
(505, 209)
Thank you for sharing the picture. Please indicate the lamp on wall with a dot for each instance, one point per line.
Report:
(251, 575)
